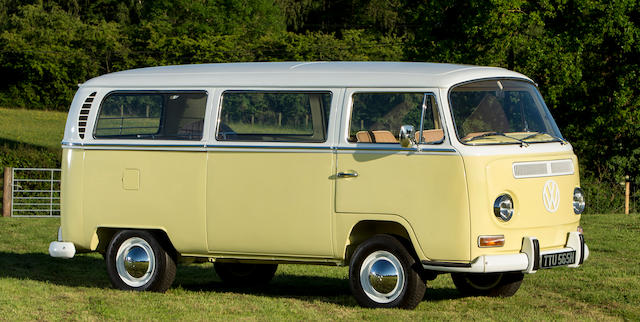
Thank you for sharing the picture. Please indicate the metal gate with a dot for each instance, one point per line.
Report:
(35, 192)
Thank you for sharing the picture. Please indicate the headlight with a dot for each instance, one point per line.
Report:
(503, 207)
(578, 201)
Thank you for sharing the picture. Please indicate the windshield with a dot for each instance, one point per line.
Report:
(501, 112)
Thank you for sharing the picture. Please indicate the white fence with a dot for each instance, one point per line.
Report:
(35, 192)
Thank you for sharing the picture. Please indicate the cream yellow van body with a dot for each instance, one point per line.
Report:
(285, 202)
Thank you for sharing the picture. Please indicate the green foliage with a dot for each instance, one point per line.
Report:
(45, 53)
(48, 48)
(605, 196)
(582, 53)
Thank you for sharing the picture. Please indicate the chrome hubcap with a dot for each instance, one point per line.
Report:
(135, 262)
(382, 277)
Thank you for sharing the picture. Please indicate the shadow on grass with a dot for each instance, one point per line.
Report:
(86, 271)
(89, 271)
(20, 154)
(17, 145)
(441, 294)
(309, 288)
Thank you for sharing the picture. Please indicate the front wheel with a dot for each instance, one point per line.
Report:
(383, 274)
(136, 261)
(488, 284)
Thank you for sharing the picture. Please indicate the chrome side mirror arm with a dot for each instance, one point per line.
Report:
(406, 136)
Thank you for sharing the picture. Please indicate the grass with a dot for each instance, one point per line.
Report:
(30, 138)
(36, 286)
(38, 128)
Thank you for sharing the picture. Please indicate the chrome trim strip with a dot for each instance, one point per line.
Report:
(236, 147)
(376, 149)
(65, 144)
(270, 147)
(199, 146)
(393, 149)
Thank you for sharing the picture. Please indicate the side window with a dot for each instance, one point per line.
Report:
(274, 116)
(152, 116)
(377, 117)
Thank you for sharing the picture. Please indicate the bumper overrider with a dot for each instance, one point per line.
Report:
(62, 249)
(529, 260)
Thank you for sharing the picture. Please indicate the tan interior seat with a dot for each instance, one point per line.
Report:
(435, 135)
(378, 136)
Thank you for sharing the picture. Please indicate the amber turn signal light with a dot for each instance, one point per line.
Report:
(491, 241)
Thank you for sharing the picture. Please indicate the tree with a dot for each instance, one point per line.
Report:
(46, 52)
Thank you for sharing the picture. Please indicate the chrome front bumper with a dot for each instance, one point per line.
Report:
(527, 261)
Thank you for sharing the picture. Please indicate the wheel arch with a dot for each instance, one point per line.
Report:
(104, 235)
(365, 229)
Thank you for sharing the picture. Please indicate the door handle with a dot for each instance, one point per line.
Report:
(347, 174)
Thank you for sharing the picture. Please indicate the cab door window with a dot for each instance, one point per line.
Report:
(377, 117)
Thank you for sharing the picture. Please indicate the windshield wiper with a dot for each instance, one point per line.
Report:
(522, 143)
(557, 138)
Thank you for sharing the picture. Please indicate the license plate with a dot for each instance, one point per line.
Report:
(558, 259)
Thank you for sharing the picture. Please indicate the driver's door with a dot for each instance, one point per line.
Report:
(421, 184)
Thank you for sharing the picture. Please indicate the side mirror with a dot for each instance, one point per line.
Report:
(406, 136)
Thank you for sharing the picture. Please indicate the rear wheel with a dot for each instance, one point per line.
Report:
(136, 261)
(244, 275)
(383, 274)
(488, 284)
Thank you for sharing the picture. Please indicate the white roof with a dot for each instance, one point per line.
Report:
(302, 74)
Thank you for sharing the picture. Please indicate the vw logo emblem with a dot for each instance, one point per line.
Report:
(551, 196)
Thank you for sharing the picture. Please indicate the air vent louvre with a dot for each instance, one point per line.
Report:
(561, 167)
(531, 169)
(84, 112)
(542, 169)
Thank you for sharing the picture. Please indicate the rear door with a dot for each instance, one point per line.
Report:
(144, 164)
